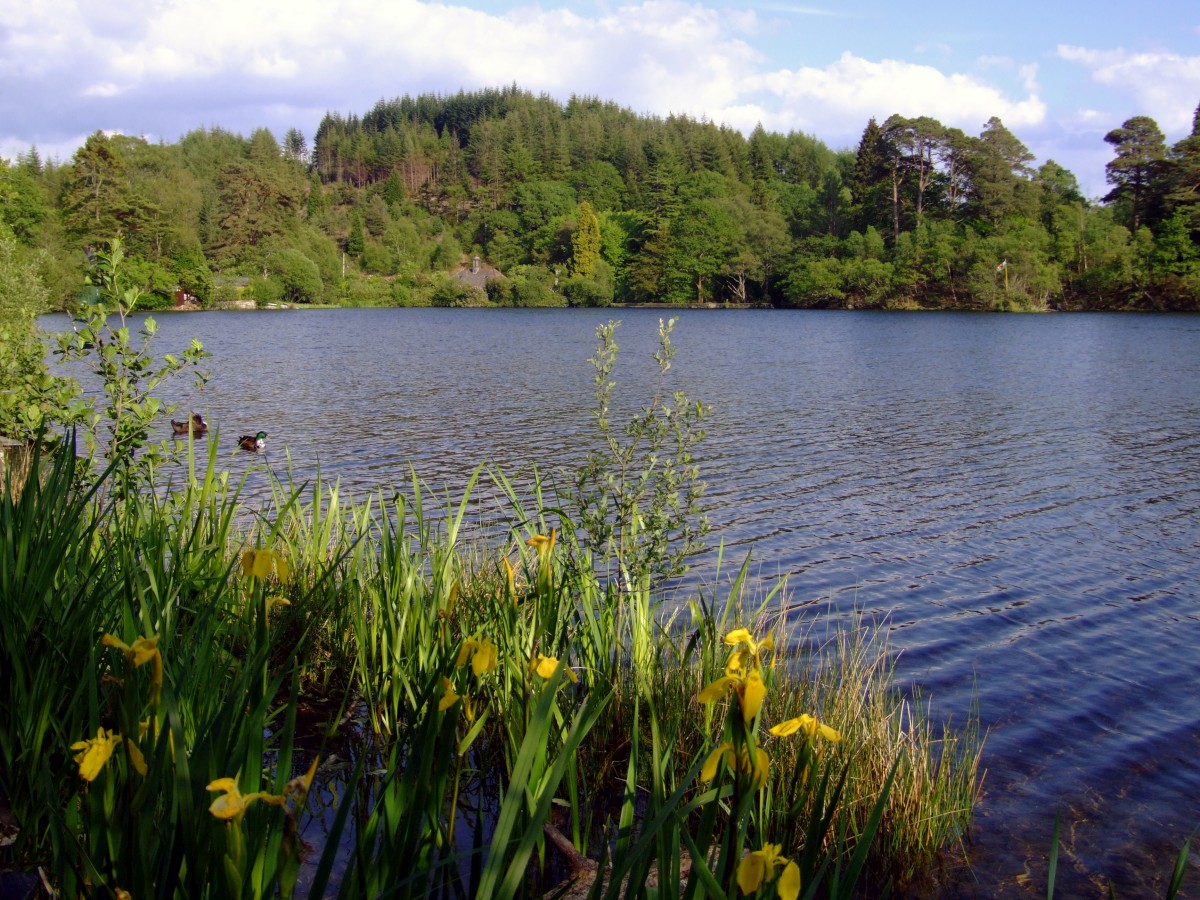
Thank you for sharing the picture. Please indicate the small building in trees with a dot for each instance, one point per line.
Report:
(477, 274)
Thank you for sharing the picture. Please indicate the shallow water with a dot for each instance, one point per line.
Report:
(1016, 496)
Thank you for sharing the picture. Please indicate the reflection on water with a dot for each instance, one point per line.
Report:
(1018, 496)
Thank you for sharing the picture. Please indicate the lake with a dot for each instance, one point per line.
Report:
(1015, 498)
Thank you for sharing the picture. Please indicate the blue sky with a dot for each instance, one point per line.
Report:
(1059, 74)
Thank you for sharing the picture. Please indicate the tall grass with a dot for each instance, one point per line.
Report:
(486, 689)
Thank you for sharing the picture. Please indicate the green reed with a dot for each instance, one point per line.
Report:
(504, 686)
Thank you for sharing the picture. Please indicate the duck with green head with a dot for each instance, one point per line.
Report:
(253, 442)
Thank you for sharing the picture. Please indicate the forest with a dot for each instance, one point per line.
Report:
(590, 204)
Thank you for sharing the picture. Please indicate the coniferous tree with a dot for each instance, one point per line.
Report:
(96, 203)
(1184, 177)
(870, 185)
(998, 168)
(585, 241)
(1136, 172)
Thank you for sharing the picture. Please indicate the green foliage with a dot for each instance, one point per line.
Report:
(585, 241)
(127, 372)
(527, 286)
(447, 253)
(298, 275)
(637, 498)
(454, 293)
(30, 397)
(580, 291)
(687, 211)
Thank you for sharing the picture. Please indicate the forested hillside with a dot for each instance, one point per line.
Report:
(587, 203)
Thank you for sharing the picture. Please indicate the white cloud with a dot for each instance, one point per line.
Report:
(169, 66)
(103, 89)
(851, 90)
(1166, 86)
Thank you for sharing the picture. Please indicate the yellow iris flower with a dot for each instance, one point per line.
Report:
(542, 544)
(758, 868)
(232, 802)
(743, 673)
(301, 784)
(261, 563)
(749, 686)
(136, 757)
(483, 654)
(140, 652)
(748, 649)
(756, 769)
(511, 579)
(807, 724)
(94, 753)
(546, 665)
(449, 695)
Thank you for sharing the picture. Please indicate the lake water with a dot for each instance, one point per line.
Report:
(1017, 497)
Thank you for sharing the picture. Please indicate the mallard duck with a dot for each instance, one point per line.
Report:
(196, 425)
(253, 442)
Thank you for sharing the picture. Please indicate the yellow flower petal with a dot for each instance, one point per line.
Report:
(789, 882)
(136, 757)
(110, 641)
(753, 693)
(545, 666)
(807, 724)
(264, 562)
(751, 872)
(248, 562)
(449, 697)
(785, 728)
(95, 752)
(139, 652)
(717, 689)
(302, 784)
(762, 767)
(231, 803)
(465, 651)
(543, 544)
(709, 770)
(736, 666)
(485, 659)
(828, 733)
(771, 858)
(739, 636)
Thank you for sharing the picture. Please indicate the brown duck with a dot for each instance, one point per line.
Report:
(196, 425)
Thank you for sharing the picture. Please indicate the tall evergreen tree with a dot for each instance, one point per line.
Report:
(1184, 177)
(96, 202)
(998, 166)
(585, 241)
(872, 182)
(1136, 172)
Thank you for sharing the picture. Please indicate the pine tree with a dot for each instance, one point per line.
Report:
(1136, 172)
(96, 201)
